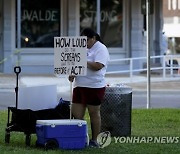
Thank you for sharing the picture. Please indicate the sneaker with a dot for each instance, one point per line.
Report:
(93, 144)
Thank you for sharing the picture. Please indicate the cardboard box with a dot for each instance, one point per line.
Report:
(37, 97)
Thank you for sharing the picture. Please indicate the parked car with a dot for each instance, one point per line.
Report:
(46, 40)
(173, 61)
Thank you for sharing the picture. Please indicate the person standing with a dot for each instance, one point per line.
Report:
(89, 90)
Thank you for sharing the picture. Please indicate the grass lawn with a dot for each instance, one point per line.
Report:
(151, 123)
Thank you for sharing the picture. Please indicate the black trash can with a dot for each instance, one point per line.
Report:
(116, 110)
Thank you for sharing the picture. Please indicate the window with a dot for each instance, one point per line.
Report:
(40, 22)
(111, 29)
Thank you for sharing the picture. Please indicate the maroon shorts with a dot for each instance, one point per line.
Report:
(90, 96)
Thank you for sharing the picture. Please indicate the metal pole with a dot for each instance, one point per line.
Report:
(1, 35)
(71, 93)
(164, 67)
(18, 30)
(98, 16)
(131, 69)
(148, 55)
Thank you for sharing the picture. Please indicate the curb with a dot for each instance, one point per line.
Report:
(157, 91)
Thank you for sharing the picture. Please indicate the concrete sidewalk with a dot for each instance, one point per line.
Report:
(137, 83)
(159, 87)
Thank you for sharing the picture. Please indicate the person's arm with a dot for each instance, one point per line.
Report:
(96, 66)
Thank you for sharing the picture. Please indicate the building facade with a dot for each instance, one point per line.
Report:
(28, 28)
(171, 14)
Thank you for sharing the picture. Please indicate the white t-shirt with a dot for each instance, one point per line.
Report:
(94, 79)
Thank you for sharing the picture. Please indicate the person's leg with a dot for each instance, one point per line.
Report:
(78, 107)
(95, 118)
(78, 110)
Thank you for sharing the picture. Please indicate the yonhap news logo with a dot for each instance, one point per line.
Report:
(149, 139)
(104, 139)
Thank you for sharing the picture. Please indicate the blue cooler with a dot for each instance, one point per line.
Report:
(63, 134)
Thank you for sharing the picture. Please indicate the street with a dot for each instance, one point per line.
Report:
(159, 99)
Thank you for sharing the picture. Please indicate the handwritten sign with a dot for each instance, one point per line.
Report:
(70, 56)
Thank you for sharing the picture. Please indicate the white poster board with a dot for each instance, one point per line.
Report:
(37, 97)
(70, 56)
